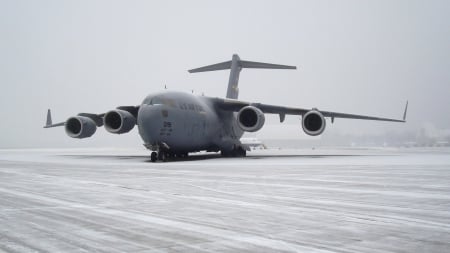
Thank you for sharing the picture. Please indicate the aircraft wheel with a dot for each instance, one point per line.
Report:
(153, 157)
(242, 152)
(224, 153)
(238, 152)
(182, 155)
(162, 156)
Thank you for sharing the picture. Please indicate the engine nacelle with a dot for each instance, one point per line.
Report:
(250, 119)
(80, 127)
(119, 121)
(313, 123)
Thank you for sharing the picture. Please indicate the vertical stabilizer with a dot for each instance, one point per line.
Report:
(235, 66)
(233, 81)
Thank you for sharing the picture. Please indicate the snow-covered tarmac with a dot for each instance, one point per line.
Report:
(324, 200)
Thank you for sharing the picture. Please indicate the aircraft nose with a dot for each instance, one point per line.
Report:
(147, 122)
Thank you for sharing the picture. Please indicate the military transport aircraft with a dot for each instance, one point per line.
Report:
(172, 124)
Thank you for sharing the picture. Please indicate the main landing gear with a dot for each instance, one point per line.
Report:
(154, 156)
(164, 156)
(235, 152)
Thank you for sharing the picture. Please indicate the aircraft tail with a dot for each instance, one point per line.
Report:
(235, 66)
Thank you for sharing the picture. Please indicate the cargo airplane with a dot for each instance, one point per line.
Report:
(173, 124)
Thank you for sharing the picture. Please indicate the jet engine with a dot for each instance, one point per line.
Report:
(80, 127)
(119, 121)
(313, 123)
(250, 119)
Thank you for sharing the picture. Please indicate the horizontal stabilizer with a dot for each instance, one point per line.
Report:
(262, 65)
(218, 66)
(241, 64)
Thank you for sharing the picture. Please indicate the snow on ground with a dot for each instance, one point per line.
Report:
(322, 200)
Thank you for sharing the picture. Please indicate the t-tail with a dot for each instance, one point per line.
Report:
(235, 66)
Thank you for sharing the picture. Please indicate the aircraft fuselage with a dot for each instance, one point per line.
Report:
(184, 122)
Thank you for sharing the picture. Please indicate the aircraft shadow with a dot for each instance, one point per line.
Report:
(200, 157)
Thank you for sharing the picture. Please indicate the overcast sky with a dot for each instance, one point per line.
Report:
(365, 57)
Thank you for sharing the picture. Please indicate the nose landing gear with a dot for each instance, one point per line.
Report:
(159, 156)
(161, 152)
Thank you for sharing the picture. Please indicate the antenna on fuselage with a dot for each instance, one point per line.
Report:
(235, 66)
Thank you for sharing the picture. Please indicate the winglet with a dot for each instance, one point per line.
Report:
(406, 110)
(49, 123)
(49, 118)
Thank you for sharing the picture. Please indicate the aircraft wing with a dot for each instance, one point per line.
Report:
(97, 118)
(236, 105)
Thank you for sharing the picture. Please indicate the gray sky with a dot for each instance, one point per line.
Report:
(363, 57)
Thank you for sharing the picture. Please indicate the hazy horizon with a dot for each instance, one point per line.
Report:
(92, 56)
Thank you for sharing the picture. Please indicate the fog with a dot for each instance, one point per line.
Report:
(363, 57)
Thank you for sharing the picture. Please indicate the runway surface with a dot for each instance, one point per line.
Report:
(323, 200)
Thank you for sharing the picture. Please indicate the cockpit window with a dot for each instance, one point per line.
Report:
(147, 100)
(159, 100)
(156, 101)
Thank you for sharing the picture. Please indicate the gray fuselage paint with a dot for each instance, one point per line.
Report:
(186, 123)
